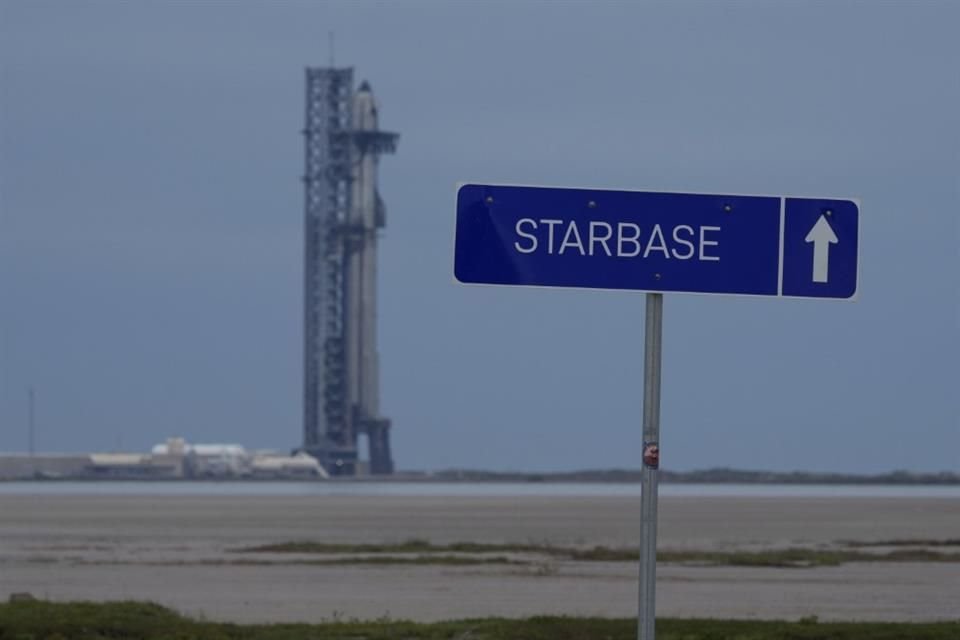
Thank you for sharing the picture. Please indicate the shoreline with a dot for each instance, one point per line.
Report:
(178, 550)
(616, 476)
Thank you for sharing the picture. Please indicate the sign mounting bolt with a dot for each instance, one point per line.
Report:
(489, 199)
(592, 204)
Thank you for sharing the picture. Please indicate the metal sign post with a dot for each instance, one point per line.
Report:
(653, 334)
(654, 241)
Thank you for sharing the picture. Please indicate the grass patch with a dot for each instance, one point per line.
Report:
(790, 558)
(441, 559)
(408, 546)
(784, 558)
(905, 542)
(142, 621)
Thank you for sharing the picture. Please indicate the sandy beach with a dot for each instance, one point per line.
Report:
(181, 552)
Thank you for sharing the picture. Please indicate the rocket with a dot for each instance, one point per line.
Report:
(366, 215)
(360, 323)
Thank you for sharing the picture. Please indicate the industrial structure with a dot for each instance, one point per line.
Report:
(342, 215)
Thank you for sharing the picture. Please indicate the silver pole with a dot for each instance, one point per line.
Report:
(31, 428)
(653, 335)
(30, 425)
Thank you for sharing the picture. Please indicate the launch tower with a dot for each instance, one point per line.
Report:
(343, 213)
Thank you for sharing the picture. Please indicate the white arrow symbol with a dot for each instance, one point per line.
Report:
(822, 237)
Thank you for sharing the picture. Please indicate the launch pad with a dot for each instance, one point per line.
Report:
(342, 216)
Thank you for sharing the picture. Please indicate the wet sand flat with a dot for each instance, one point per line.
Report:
(178, 551)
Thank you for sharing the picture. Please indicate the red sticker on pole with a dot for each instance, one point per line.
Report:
(651, 455)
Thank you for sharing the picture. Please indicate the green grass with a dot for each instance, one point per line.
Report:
(803, 557)
(791, 558)
(442, 559)
(142, 621)
(787, 558)
(905, 542)
(414, 545)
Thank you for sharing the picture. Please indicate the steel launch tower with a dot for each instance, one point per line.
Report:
(343, 213)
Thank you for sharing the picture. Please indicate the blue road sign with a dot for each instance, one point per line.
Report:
(653, 241)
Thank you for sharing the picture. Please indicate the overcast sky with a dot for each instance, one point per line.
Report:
(151, 225)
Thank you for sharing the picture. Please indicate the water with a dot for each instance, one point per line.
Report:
(465, 489)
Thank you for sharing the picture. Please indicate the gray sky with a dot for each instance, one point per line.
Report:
(151, 218)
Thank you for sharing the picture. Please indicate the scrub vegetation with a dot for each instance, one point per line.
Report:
(415, 545)
(38, 620)
(907, 542)
(441, 559)
(429, 552)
